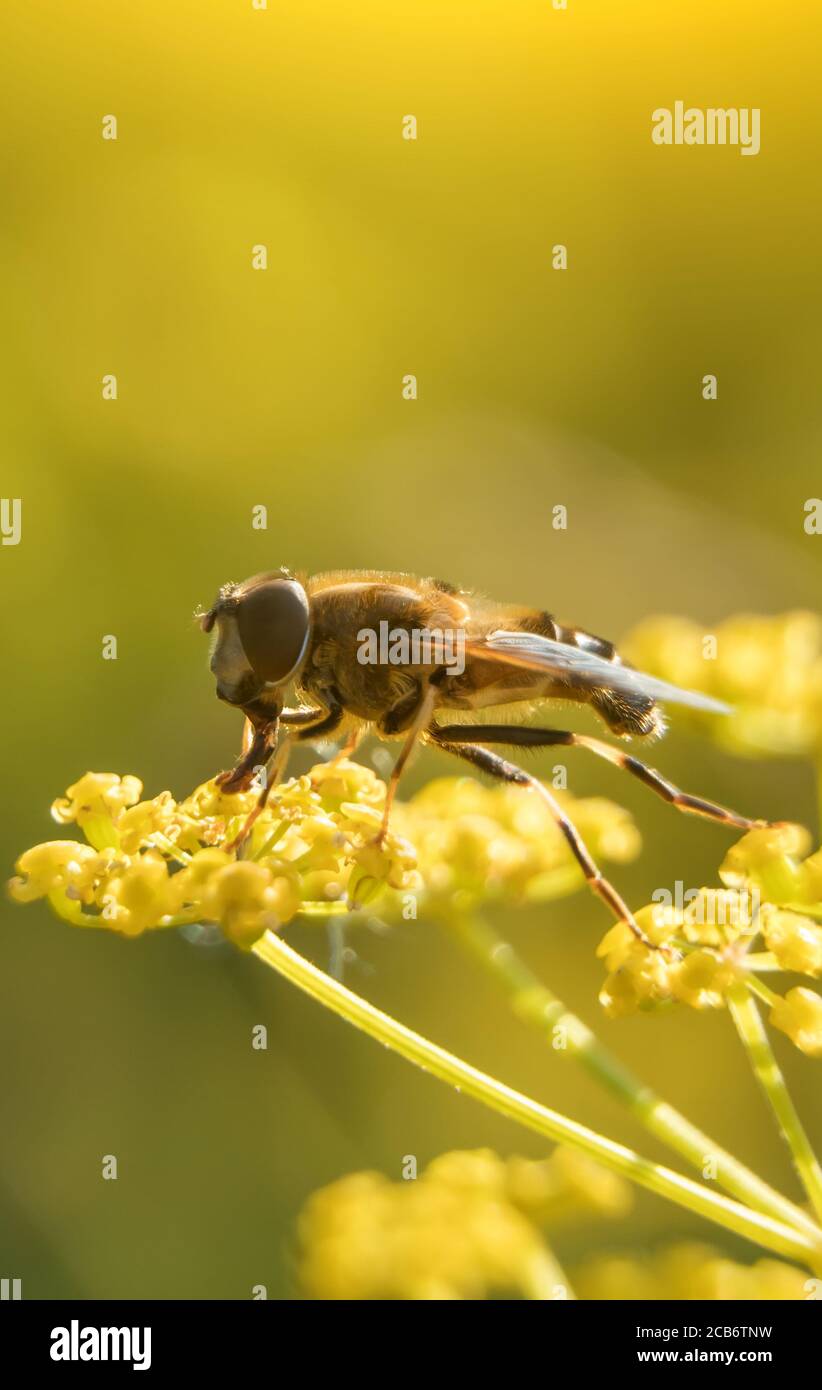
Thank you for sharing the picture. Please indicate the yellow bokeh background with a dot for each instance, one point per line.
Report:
(283, 127)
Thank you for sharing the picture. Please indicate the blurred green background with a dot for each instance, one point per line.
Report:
(536, 387)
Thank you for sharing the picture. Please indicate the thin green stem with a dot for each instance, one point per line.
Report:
(804, 909)
(768, 1073)
(547, 1279)
(162, 842)
(754, 1225)
(270, 840)
(763, 961)
(537, 1006)
(762, 991)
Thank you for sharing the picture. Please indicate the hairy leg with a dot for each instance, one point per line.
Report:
(523, 736)
(422, 718)
(498, 767)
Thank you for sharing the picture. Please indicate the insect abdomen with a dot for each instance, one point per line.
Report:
(635, 716)
(544, 625)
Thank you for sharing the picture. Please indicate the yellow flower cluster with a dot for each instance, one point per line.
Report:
(477, 843)
(466, 1228)
(772, 896)
(688, 1271)
(471, 1227)
(162, 863)
(768, 669)
(314, 850)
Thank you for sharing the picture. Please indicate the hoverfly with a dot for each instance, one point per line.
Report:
(323, 637)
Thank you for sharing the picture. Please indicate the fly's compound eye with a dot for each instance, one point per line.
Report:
(273, 623)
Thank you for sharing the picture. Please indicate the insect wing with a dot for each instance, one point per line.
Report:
(581, 667)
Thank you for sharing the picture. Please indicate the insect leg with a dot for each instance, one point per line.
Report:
(526, 737)
(496, 766)
(302, 717)
(421, 718)
(273, 778)
(258, 751)
(324, 723)
(347, 748)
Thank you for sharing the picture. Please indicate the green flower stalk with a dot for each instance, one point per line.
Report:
(537, 1006)
(768, 1072)
(773, 1235)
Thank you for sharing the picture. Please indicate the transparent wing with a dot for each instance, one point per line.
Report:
(584, 668)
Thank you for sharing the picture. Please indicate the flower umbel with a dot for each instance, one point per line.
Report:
(479, 844)
(163, 863)
(468, 1227)
(771, 898)
(687, 1271)
(314, 850)
(768, 668)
